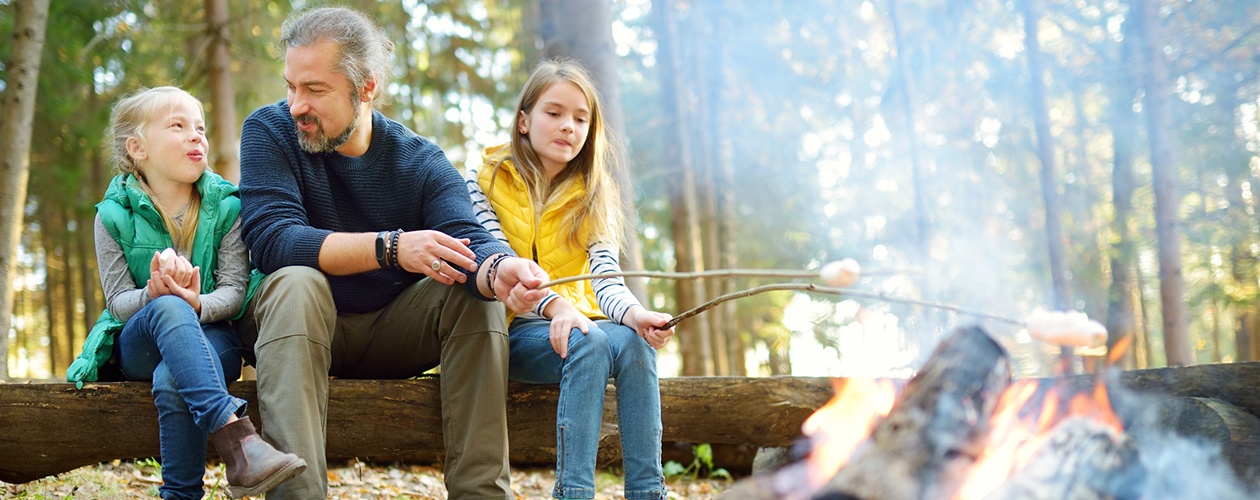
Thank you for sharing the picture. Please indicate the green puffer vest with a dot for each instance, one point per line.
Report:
(132, 220)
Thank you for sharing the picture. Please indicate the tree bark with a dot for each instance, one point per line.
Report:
(224, 144)
(17, 111)
(1159, 126)
(694, 338)
(1233, 429)
(1045, 153)
(52, 428)
(582, 30)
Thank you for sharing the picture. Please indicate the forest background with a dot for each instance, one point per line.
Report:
(1097, 156)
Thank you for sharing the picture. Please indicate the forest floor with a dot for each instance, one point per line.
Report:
(128, 480)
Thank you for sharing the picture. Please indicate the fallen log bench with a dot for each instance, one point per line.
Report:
(49, 428)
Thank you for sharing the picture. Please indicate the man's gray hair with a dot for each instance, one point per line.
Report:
(366, 53)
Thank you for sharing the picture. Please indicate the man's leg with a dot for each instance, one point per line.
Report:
(290, 323)
(431, 322)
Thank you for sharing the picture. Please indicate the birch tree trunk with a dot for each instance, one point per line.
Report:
(582, 30)
(17, 109)
(1164, 173)
(224, 144)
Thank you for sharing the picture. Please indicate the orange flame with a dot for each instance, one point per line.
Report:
(1014, 439)
(839, 426)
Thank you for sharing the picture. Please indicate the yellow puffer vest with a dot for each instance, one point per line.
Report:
(538, 236)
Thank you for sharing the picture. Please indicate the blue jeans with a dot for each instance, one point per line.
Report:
(189, 365)
(608, 350)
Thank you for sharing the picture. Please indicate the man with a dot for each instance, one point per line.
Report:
(363, 227)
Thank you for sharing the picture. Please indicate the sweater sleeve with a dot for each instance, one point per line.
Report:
(274, 222)
(122, 297)
(449, 209)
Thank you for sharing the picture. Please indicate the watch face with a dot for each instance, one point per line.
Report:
(380, 246)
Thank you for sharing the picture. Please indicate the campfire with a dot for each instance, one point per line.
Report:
(960, 429)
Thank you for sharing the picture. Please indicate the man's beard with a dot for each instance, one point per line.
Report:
(319, 142)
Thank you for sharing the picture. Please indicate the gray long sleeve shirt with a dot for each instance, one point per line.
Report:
(124, 297)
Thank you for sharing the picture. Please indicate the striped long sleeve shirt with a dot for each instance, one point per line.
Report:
(612, 294)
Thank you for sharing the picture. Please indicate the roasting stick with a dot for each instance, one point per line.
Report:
(810, 287)
(713, 273)
(1056, 327)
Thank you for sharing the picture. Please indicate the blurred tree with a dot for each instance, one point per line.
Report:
(1121, 315)
(1045, 153)
(224, 143)
(694, 338)
(582, 30)
(1163, 171)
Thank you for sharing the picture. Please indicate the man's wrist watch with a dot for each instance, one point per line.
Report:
(382, 246)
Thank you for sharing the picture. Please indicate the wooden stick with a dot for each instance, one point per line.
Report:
(718, 273)
(768, 273)
(810, 287)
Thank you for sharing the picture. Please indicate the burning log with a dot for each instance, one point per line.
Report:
(1081, 459)
(922, 447)
(937, 429)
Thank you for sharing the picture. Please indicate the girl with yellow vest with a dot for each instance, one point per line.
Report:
(174, 272)
(549, 194)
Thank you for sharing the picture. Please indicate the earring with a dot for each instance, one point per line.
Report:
(524, 132)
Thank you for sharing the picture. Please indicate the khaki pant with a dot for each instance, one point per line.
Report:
(299, 340)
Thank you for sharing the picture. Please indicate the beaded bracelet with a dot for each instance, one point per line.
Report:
(393, 248)
(494, 267)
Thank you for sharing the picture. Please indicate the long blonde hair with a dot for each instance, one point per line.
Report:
(596, 215)
(128, 119)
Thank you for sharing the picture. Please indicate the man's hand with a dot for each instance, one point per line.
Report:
(648, 324)
(418, 251)
(514, 282)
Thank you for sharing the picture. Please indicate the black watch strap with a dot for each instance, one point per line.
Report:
(382, 246)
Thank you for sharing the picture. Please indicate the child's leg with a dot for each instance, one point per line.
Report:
(583, 377)
(183, 444)
(638, 411)
(165, 343)
(168, 330)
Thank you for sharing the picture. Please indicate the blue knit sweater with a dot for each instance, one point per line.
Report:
(291, 200)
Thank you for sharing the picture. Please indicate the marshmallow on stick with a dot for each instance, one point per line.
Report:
(840, 273)
(1066, 328)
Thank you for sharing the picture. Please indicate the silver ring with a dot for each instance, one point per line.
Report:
(436, 265)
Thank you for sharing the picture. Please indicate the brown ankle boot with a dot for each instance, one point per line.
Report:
(253, 465)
